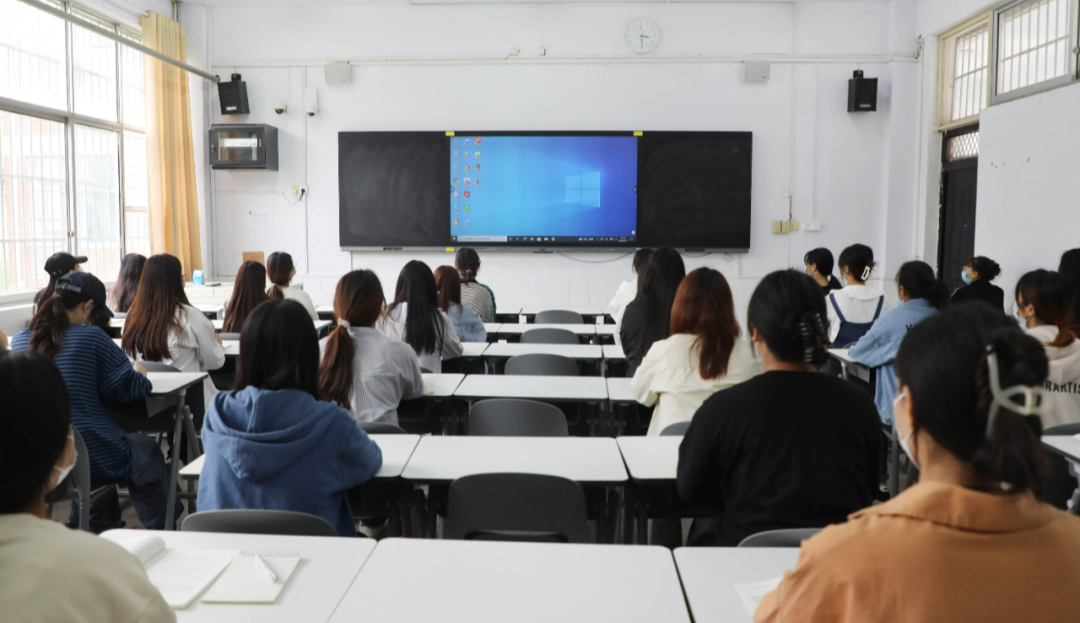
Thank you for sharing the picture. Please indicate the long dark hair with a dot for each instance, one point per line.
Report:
(859, 260)
(359, 301)
(423, 324)
(1051, 295)
(249, 291)
(279, 349)
(35, 421)
(943, 361)
(657, 285)
(467, 262)
(1070, 267)
(987, 268)
(822, 259)
(448, 281)
(154, 314)
(279, 267)
(127, 282)
(919, 282)
(48, 325)
(704, 307)
(640, 258)
(788, 311)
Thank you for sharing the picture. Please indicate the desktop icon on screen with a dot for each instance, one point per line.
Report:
(477, 154)
(455, 154)
(456, 221)
(468, 141)
(468, 181)
(464, 154)
(467, 195)
(455, 194)
(456, 208)
(466, 207)
(466, 222)
(477, 139)
(477, 182)
(466, 168)
(477, 166)
(455, 180)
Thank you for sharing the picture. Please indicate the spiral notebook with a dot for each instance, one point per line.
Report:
(245, 581)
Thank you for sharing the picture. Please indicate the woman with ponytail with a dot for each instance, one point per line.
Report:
(977, 274)
(973, 540)
(477, 296)
(1045, 300)
(467, 324)
(789, 448)
(281, 270)
(854, 308)
(363, 370)
(819, 265)
(416, 319)
(923, 295)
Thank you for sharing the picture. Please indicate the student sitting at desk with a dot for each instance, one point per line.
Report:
(977, 274)
(281, 270)
(127, 282)
(647, 318)
(162, 326)
(363, 370)
(477, 296)
(1070, 267)
(973, 540)
(47, 572)
(627, 291)
(703, 355)
(467, 324)
(249, 291)
(271, 443)
(819, 265)
(790, 448)
(415, 318)
(97, 375)
(922, 295)
(854, 308)
(1044, 300)
(58, 265)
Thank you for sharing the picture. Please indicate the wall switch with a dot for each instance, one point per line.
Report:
(785, 227)
(776, 227)
(813, 226)
(794, 225)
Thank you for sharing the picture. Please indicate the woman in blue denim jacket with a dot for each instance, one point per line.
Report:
(468, 325)
(922, 295)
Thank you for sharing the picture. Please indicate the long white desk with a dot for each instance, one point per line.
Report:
(320, 325)
(553, 388)
(168, 383)
(576, 329)
(587, 460)
(651, 458)
(850, 367)
(210, 310)
(579, 352)
(490, 582)
(441, 385)
(1067, 446)
(327, 569)
(709, 575)
(613, 352)
(473, 350)
(619, 391)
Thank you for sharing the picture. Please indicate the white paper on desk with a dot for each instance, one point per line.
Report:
(245, 582)
(752, 594)
(181, 575)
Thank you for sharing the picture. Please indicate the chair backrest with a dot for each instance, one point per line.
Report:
(516, 507)
(229, 336)
(542, 364)
(381, 428)
(258, 521)
(678, 429)
(549, 336)
(154, 366)
(779, 538)
(558, 316)
(516, 418)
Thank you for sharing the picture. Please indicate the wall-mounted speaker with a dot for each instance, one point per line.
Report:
(337, 73)
(233, 97)
(862, 93)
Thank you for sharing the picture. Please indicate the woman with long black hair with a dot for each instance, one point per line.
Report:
(647, 318)
(416, 318)
(127, 282)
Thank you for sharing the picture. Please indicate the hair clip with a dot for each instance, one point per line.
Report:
(344, 323)
(866, 273)
(1036, 400)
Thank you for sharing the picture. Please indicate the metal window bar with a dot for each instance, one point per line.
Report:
(963, 146)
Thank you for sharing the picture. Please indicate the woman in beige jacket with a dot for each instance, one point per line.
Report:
(972, 541)
(703, 355)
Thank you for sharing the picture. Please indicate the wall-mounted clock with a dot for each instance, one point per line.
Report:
(642, 35)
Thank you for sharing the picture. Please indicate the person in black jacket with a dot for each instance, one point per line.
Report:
(790, 448)
(647, 318)
(977, 274)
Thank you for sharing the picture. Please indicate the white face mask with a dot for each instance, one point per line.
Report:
(64, 471)
(904, 440)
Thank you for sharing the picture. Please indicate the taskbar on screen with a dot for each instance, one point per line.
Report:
(548, 239)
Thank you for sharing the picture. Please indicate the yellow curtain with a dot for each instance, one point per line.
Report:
(174, 207)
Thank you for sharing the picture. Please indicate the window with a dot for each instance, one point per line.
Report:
(965, 68)
(963, 146)
(73, 171)
(1034, 47)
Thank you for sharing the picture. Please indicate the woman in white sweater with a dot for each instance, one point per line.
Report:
(416, 319)
(281, 270)
(855, 308)
(1045, 301)
(703, 355)
(162, 326)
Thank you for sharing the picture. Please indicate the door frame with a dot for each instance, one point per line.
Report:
(946, 167)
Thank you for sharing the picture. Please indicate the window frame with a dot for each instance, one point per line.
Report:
(1039, 87)
(946, 76)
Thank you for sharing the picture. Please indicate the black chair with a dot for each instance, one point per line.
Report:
(558, 316)
(76, 487)
(541, 364)
(381, 428)
(516, 418)
(1061, 487)
(549, 336)
(257, 521)
(678, 429)
(779, 538)
(516, 507)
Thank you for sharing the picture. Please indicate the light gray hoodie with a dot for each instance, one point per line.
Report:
(1064, 379)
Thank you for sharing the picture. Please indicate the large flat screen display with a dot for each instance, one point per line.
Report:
(543, 189)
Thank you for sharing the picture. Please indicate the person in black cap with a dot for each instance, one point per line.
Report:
(58, 265)
(98, 374)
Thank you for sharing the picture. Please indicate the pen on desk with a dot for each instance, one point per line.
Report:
(266, 568)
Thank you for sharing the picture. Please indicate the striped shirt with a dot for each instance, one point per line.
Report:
(385, 372)
(480, 299)
(97, 374)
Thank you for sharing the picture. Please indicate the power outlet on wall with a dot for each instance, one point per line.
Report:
(294, 190)
(813, 226)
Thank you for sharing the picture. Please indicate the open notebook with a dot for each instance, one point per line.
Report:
(751, 595)
(245, 582)
(181, 575)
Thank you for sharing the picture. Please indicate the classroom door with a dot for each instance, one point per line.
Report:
(959, 177)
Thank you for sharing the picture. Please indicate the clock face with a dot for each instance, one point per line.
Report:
(642, 35)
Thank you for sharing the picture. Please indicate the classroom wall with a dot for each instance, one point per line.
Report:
(852, 173)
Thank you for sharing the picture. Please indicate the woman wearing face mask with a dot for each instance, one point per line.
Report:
(1045, 301)
(973, 540)
(854, 309)
(47, 572)
(922, 297)
(98, 375)
(977, 274)
(819, 265)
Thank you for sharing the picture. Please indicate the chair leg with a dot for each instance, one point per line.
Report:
(174, 469)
